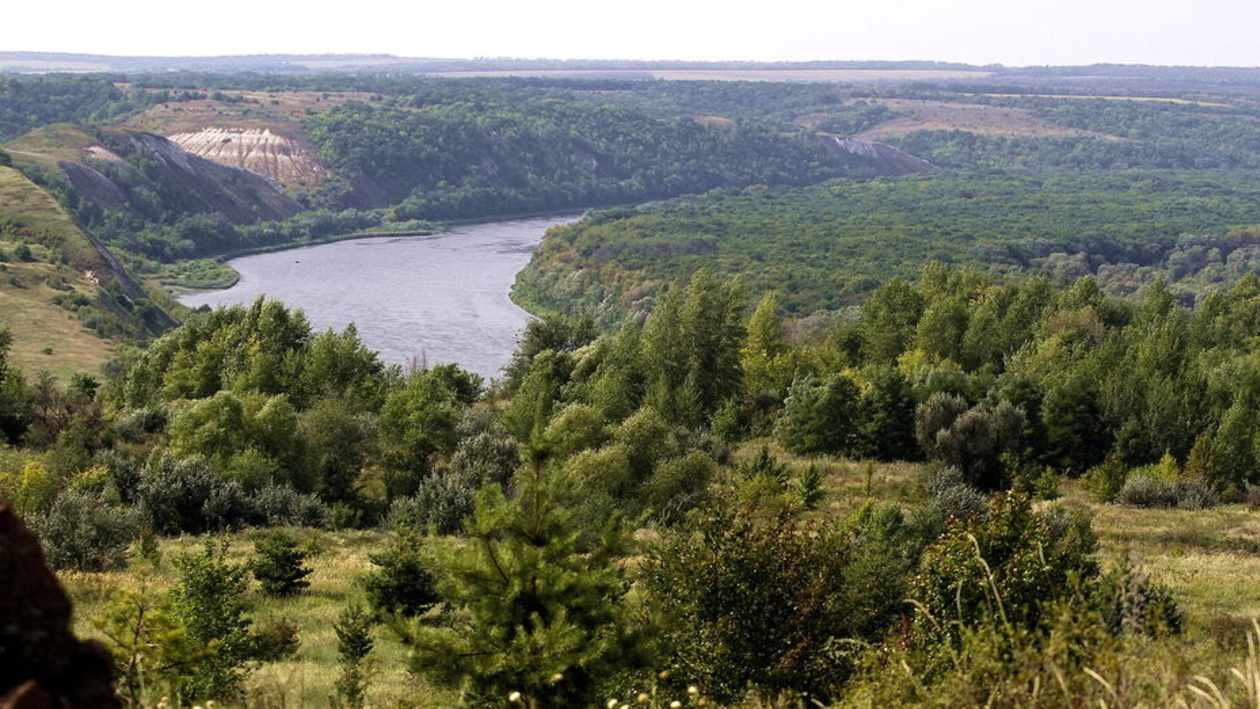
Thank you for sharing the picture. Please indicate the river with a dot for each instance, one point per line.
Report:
(433, 299)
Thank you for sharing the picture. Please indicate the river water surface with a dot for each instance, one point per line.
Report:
(437, 299)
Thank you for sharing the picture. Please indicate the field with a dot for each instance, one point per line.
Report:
(837, 76)
(976, 118)
(1208, 559)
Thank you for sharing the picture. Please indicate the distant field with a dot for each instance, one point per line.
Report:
(256, 109)
(1086, 97)
(809, 75)
(986, 120)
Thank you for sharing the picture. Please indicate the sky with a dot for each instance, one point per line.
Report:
(1010, 32)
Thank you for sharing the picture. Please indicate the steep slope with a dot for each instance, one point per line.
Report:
(148, 175)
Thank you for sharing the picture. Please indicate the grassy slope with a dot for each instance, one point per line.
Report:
(1207, 558)
(25, 293)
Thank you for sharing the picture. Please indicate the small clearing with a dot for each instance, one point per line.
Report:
(917, 115)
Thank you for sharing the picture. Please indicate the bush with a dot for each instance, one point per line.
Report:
(1105, 481)
(189, 496)
(742, 602)
(402, 584)
(81, 532)
(951, 497)
(278, 564)
(442, 500)
(678, 485)
(1011, 562)
(1144, 490)
(283, 506)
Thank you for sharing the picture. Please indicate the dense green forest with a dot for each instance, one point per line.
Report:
(827, 246)
(509, 512)
(459, 161)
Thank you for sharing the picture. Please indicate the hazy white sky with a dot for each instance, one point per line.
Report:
(1012, 32)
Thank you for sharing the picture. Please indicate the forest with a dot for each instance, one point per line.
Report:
(650, 515)
(827, 246)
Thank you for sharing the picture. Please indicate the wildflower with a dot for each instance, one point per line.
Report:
(557, 677)
(675, 704)
(664, 674)
(693, 690)
(612, 704)
(643, 698)
(514, 697)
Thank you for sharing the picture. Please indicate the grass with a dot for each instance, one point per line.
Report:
(307, 678)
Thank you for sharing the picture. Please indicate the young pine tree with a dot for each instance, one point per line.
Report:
(354, 649)
(278, 566)
(535, 614)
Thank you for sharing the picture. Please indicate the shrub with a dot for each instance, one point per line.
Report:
(1105, 481)
(278, 564)
(1008, 563)
(1142, 489)
(1130, 603)
(678, 485)
(189, 496)
(951, 497)
(743, 602)
(283, 506)
(81, 532)
(975, 441)
(442, 500)
(402, 583)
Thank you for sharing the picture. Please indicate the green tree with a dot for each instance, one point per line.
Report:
(534, 613)
(417, 422)
(821, 417)
(277, 565)
(890, 318)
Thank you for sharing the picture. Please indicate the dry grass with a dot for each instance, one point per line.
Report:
(1209, 559)
(48, 144)
(280, 111)
(985, 120)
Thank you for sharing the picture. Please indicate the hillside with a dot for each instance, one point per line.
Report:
(45, 302)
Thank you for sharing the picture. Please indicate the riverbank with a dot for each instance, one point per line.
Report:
(222, 276)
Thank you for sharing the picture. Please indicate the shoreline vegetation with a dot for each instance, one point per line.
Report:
(179, 288)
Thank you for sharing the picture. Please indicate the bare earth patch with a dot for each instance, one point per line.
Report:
(285, 160)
